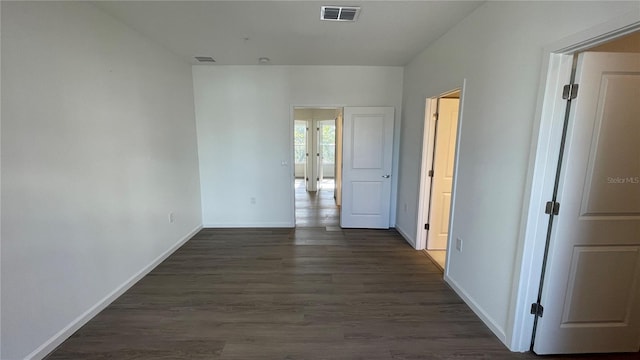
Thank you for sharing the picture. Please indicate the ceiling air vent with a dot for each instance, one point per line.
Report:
(205, 59)
(339, 13)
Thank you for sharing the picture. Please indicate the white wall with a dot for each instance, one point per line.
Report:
(498, 50)
(243, 115)
(98, 146)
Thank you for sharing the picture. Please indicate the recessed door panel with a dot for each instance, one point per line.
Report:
(367, 197)
(368, 142)
(591, 286)
(613, 173)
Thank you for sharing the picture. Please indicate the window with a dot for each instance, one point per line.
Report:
(300, 142)
(328, 142)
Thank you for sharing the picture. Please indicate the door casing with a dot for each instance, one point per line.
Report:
(442, 179)
(292, 109)
(545, 145)
(428, 145)
(581, 208)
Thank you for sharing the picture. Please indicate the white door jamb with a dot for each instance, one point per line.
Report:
(545, 145)
(424, 200)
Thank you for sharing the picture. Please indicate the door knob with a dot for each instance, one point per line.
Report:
(386, 176)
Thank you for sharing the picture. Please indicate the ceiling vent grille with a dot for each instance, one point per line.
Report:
(339, 13)
(205, 59)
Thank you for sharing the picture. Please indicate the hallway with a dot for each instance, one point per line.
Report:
(317, 208)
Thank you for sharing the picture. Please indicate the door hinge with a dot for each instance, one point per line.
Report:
(426, 226)
(317, 179)
(570, 91)
(552, 208)
(537, 309)
(435, 116)
(430, 173)
(307, 179)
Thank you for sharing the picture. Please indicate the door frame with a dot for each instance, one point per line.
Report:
(292, 173)
(428, 146)
(547, 132)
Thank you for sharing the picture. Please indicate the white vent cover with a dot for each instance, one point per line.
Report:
(205, 59)
(339, 13)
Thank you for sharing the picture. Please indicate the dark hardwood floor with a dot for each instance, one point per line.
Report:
(317, 208)
(305, 293)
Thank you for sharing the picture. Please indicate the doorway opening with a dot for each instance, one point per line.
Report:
(599, 139)
(553, 112)
(439, 153)
(317, 166)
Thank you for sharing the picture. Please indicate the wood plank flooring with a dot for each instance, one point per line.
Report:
(286, 294)
(439, 257)
(317, 208)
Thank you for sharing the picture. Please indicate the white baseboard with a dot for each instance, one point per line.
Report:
(486, 319)
(249, 225)
(408, 238)
(76, 324)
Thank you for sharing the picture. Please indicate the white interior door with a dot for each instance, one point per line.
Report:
(444, 155)
(367, 157)
(591, 292)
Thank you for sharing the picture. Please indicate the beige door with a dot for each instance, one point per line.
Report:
(367, 158)
(444, 156)
(591, 292)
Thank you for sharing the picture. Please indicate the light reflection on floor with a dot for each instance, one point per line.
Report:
(317, 208)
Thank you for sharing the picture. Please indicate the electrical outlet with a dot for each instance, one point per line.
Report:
(252, 200)
(172, 218)
(459, 244)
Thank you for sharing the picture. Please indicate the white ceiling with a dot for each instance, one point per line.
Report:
(290, 32)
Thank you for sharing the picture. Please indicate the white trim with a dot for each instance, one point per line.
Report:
(428, 140)
(542, 178)
(406, 237)
(620, 26)
(292, 174)
(81, 320)
(490, 322)
(292, 202)
(546, 133)
(454, 186)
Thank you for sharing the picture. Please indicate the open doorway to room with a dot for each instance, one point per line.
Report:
(441, 125)
(317, 150)
(590, 258)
